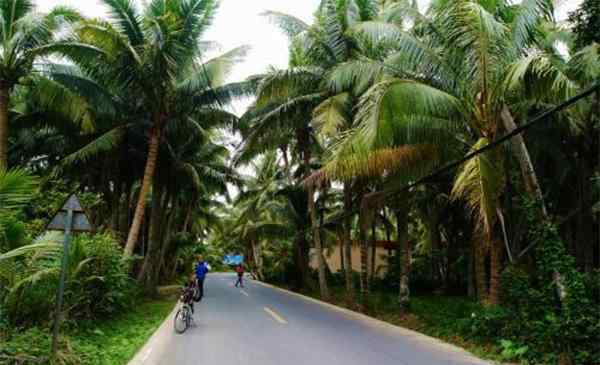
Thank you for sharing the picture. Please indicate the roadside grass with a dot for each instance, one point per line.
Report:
(112, 341)
(442, 317)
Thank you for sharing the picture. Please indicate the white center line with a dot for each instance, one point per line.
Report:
(276, 316)
(244, 292)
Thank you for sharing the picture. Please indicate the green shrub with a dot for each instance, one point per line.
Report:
(532, 316)
(512, 351)
(97, 284)
(100, 284)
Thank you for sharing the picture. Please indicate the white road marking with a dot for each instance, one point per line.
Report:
(276, 316)
(146, 355)
(244, 292)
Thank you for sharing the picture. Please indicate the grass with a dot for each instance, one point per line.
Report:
(109, 342)
(436, 316)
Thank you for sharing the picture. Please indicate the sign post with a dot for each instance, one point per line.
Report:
(70, 218)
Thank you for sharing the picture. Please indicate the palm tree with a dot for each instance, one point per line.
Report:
(158, 56)
(16, 189)
(285, 98)
(193, 169)
(28, 36)
(437, 86)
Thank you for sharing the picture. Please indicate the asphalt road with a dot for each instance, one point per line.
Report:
(260, 325)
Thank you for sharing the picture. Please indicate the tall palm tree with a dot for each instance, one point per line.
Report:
(27, 36)
(441, 87)
(287, 98)
(157, 54)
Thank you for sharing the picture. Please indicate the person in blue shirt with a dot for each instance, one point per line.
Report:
(202, 268)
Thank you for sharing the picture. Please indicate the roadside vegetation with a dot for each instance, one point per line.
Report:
(109, 341)
(500, 253)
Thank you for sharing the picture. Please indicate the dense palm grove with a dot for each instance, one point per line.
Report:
(131, 114)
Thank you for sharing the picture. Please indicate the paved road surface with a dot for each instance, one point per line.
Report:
(260, 325)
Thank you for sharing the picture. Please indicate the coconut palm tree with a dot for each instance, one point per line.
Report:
(285, 98)
(193, 169)
(157, 55)
(27, 37)
(438, 90)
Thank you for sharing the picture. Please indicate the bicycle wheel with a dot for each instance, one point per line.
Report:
(182, 320)
(189, 316)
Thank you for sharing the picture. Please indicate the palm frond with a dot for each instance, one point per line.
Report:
(396, 112)
(584, 66)
(333, 115)
(529, 14)
(411, 161)
(71, 49)
(333, 32)
(16, 188)
(355, 75)
(127, 19)
(289, 24)
(539, 76)
(35, 248)
(480, 182)
(197, 16)
(76, 80)
(214, 72)
(105, 143)
(10, 12)
(281, 85)
(51, 96)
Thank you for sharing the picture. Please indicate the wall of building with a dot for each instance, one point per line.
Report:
(334, 261)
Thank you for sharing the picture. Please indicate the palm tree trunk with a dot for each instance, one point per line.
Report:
(521, 153)
(480, 272)
(286, 162)
(405, 254)
(258, 259)
(364, 256)
(318, 244)
(433, 232)
(471, 280)
(532, 185)
(4, 105)
(140, 209)
(167, 234)
(147, 273)
(495, 269)
(188, 217)
(373, 249)
(302, 247)
(116, 204)
(301, 259)
(125, 212)
(348, 239)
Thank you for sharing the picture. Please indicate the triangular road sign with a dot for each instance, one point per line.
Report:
(80, 222)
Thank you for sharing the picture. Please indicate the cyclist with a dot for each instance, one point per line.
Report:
(202, 268)
(239, 269)
(188, 291)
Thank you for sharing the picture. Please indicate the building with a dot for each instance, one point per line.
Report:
(334, 257)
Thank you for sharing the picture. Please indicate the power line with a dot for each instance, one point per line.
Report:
(477, 152)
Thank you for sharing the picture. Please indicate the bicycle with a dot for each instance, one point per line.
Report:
(184, 316)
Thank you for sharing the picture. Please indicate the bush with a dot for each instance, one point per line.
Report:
(98, 283)
(532, 315)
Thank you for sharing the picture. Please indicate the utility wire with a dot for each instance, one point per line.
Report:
(475, 153)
